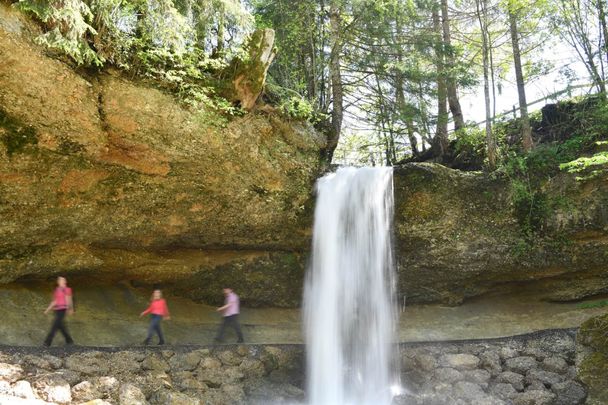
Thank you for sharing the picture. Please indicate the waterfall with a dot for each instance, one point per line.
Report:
(349, 306)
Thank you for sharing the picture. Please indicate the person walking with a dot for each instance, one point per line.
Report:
(158, 311)
(230, 312)
(62, 303)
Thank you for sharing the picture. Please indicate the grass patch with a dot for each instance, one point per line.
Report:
(590, 305)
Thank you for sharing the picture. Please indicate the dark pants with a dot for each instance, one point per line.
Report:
(58, 325)
(155, 327)
(233, 322)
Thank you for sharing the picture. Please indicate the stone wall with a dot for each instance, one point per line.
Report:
(184, 376)
(537, 369)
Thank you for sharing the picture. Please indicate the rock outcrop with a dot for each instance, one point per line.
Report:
(592, 357)
(104, 176)
(458, 236)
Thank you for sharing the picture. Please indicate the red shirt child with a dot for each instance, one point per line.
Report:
(157, 307)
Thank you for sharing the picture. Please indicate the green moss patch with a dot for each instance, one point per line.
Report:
(592, 370)
(14, 135)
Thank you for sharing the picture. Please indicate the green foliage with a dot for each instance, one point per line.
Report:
(297, 108)
(584, 163)
(293, 105)
(584, 125)
(168, 41)
(471, 141)
(596, 304)
(69, 26)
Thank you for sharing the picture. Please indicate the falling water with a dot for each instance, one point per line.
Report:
(348, 299)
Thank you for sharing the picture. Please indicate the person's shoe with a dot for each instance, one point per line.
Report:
(46, 344)
(146, 342)
(70, 343)
(161, 343)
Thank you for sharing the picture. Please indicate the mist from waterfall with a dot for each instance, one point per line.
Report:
(349, 306)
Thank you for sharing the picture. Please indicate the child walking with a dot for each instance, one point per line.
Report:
(158, 311)
(61, 304)
(230, 313)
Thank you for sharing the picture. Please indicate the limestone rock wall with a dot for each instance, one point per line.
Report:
(457, 236)
(105, 176)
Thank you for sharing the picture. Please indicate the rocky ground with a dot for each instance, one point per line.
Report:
(163, 376)
(538, 369)
(535, 369)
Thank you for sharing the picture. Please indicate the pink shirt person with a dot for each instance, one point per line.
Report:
(230, 312)
(232, 303)
(60, 297)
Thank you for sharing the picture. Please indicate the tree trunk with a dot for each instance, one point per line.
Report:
(450, 80)
(526, 131)
(221, 34)
(411, 135)
(602, 17)
(404, 114)
(337, 113)
(490, 142)
(441, 134)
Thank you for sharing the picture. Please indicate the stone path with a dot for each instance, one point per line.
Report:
(108, 316)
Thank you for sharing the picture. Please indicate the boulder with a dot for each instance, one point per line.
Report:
(534, 397)
(23, 389)
(165, 397)
(10, 372)
(53, 388)
(569, 393)
(592, 347)
(131, 395)
(514, 379)
(521, 364)
(461, 361)
(85, 391)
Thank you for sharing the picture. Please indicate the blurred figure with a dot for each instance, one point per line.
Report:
(158, 311)
(62, 303)
(230, 312)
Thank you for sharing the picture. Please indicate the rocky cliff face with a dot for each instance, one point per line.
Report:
(458, 236)
(110, 179)
(106, 177)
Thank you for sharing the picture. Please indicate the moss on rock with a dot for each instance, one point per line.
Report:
(458, 235)
(15, 135)
(592, 370)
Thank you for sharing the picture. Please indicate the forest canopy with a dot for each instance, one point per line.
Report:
(383, 78)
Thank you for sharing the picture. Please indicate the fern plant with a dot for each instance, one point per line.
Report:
(69, 27)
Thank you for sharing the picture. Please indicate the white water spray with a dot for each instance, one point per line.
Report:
(348, 300)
